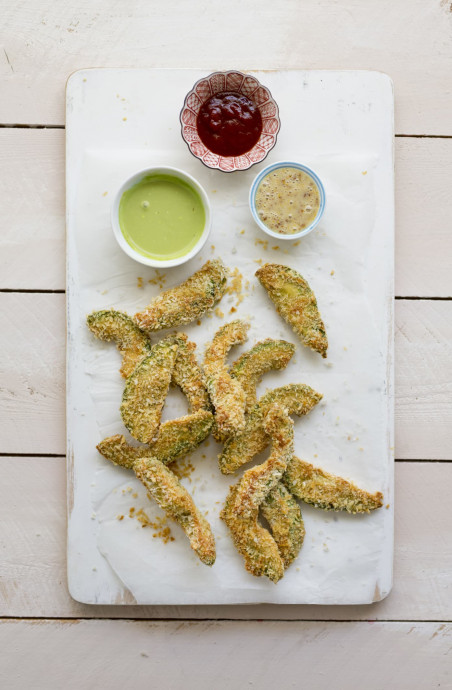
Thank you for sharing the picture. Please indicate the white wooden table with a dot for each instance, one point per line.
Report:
(46, 639)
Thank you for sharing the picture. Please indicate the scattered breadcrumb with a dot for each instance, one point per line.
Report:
(162, 531)
(182, 468)
(263, 243)
(105, 194)
(160, 279)
(219, 313)
(139, 282)
(120, 517)
(332, 273)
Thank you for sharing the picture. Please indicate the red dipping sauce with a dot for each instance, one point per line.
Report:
(229, 124)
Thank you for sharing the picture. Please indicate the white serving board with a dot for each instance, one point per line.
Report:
(340, 123)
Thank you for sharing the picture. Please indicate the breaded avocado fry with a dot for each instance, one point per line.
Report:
(165, 488)
(146, 389)
(177, 438)
(252, 365)
(296, 398)
(327, 491)
(133, 344)
(257, 482)
(186, 302)
(296, 303)
(188, 376)
(226, 394)
(119, 452)
(283, 515)
(241, 510)
(256, 545)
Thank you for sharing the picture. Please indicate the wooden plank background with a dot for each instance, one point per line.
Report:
(41, 43)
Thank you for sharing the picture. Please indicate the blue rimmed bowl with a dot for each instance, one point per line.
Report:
(252, 199)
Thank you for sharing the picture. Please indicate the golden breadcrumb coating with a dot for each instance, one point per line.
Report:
(133, 344)
(297, 398)
(327, 491)
(283, 515)
(188, 376)
(165, 488)
(176, 438)
(251, 366)
(186, 302)
(226, 394)
(257, 482)
(296, 303)
(254, 543)
(146, 389)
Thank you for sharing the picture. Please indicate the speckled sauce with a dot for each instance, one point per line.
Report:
(287, 200)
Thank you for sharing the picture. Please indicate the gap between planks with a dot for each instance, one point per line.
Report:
(58, 619)
(7, 125)
(59, 455)
(63, 292)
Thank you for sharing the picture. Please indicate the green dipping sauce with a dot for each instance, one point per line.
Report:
(161, 217)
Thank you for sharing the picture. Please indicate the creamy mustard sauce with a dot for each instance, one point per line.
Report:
(287, 200)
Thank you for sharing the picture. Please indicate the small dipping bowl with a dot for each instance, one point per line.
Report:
(182, 181)
(243, 85)
(252, 200)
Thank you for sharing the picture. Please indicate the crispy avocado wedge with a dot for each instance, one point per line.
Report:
(146, 389)
(186, 302)
(133, 344)
(252, 365)
(296, 303)
(245, 498)
(283, 515)
(165, 488)
(226, 394)
(296, 398)
(177, 438)
(188, 376)
(257, 482)
(327, 491)
(255, 543)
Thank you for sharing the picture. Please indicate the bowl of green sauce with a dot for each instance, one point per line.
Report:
(161, 217)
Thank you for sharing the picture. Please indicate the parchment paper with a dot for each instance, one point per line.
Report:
(345, 434)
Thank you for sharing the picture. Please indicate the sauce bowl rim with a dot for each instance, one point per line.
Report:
(135, 178)
(252, 199)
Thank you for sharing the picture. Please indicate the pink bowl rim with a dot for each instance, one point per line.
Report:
(276, 116)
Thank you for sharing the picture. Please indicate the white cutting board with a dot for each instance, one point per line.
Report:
(341, 124)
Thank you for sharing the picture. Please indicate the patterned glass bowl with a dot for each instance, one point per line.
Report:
(246, 85)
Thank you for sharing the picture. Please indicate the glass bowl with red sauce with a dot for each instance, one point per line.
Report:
(229, 121)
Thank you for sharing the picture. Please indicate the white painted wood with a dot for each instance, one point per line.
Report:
(114, 129)
(32, 209)
(423, 379)
(33, 547)
(32, 375)
(43, 42)
(423, 217)
(226, 655)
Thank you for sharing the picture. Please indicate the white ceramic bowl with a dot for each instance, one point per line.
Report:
(135, 179)
(252, 199)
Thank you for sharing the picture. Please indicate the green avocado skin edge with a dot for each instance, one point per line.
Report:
(162, 217)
